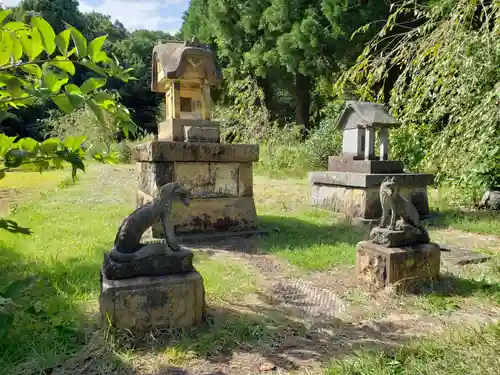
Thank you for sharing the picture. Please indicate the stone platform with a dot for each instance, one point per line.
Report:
(142, 304)
(358, 193)
(382, 266)
(219, 176)
(163, 262)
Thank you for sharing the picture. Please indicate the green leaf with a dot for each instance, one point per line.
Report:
(63, 64)
(4, 115)
(15, 26)
(95, 48)
(98, 111)
(5, 143)
(90, 65)
(80, 42)
(74, 143)
(28, 144)
(17, 48)
(32, 69)
(53, 81)
(5, 323)
(72, 89)
(49, 146)
(14, 158)
(27, 45)
(2, 174)
(62, 41)
(77, 100)
(47, 34)
(36, 43)
(16, 288)
(4, 14)
(6, 47)
(63, 103)
(92, 84)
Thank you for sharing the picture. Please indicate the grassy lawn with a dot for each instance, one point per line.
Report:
(74, 226)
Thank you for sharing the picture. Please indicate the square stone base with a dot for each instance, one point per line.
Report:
(357, 194)
(381, 266)
(146, 303)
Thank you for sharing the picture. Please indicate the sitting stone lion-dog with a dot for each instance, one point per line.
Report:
(127, 245)
(398, 207)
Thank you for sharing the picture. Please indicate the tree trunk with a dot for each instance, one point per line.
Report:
(303, 99)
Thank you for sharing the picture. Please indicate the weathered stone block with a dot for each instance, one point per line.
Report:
(172, 130)
(195, 177)
(206, 180)
(364, 180)
(152, 176)
(398, 238)
(145, 303)
(381, 266)
(225, 177)
(363, 202)
(195, 152)
(209, 215)
(201, 134)
(245, 180)
(346, 164)
(163, 262)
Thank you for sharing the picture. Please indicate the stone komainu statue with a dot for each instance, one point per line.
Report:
(127, 246)
(397, 212)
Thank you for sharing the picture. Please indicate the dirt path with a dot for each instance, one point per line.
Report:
(312, 316)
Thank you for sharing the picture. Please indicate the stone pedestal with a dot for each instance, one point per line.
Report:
(218, 175)
(352, 186)
(144, 303)
(381, 266)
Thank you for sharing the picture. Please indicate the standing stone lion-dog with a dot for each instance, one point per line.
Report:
(394, 206)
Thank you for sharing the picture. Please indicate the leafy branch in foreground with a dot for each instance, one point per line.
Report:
(36, 64)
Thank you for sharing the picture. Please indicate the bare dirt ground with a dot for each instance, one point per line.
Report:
(314, 316)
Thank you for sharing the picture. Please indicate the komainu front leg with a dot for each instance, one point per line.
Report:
(392, 224)
(383, 220)
(170, 235)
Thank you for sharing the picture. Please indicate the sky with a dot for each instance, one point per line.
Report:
(165, 15)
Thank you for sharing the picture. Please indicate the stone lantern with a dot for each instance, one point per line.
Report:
(353, 178)
(189, 150)
(185, 71)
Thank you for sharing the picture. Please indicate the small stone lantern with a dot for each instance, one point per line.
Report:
(360, 121)
(185, 71)
(351, 184)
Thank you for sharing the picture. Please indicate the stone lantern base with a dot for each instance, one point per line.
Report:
(219, 176)
(352, 186)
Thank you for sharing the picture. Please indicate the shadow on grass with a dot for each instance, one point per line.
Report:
(13, 227)
(294, 234)
(56, 326)
(485, 222)
(450, 285)
(245, 336)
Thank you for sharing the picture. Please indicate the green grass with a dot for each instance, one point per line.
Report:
(463, 219)
(74, 226)
(311, 239)
(471, 352)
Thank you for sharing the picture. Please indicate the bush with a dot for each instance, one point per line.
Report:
(324, 141)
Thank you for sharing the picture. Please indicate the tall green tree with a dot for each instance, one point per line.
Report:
(55, 12)
(446, 91)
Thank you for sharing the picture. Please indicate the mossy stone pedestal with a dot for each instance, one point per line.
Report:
(168, 295)
(404, 267)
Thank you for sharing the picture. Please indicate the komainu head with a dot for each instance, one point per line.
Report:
(174, 191)
(389, 186)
